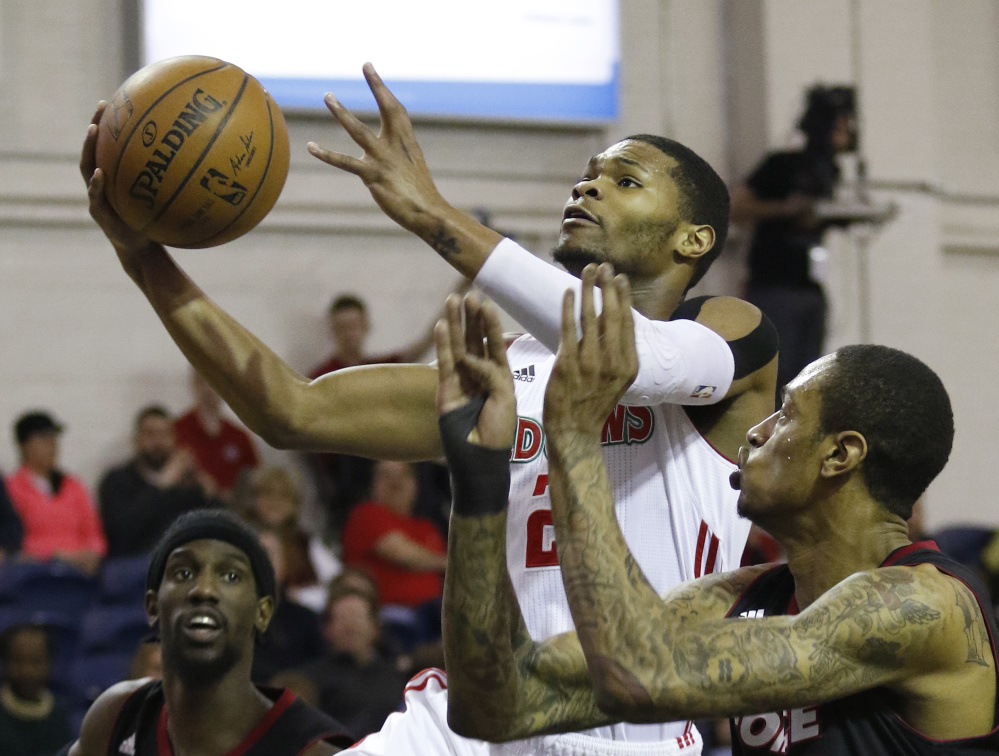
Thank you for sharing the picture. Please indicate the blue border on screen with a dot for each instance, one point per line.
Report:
(501, 100)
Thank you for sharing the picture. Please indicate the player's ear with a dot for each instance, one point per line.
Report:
(694, 241)
(152, 603)
(265, 610)
(846, 450)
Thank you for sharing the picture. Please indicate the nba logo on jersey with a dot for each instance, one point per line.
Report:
(703, 392)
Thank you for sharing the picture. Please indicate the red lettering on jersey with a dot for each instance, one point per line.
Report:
(613, 432)
(702, 565)
(541, 485)
(529, 439)
(541, 540)
(639, 424)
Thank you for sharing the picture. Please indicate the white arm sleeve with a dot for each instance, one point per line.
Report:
(680, 362)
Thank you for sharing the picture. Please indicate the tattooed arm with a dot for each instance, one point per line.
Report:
(501, 684)
(911, 629)
(395, 172)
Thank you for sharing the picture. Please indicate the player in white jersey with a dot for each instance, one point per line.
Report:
(648, 205)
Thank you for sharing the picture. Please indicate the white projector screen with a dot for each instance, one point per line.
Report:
(546, 60)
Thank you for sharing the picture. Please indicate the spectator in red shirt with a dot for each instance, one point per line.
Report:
(405, 555)
(343, 480)
(58, 513)
(222, 449)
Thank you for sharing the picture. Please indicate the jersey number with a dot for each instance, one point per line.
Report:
(541, 540)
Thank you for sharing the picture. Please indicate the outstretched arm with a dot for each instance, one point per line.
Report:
(678, 658)
(383, 411)
(502, 685)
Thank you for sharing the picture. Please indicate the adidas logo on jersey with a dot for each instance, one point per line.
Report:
(752, 613)
(127, 746)
(524, 374)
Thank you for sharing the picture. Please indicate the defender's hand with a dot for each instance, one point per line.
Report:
(590, 375)
(471, 362)
(392, 167)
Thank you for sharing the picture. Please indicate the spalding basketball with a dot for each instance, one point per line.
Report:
(194, 150)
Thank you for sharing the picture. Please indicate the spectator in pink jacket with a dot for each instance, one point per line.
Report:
(58, 513)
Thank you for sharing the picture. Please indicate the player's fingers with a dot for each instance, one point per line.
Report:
(452, 312)
(568, 347)
(474, 329)
(445, 359)
(358, 130)
(337, 159)
(587, 317)
(627, 328)
(610, 314)
(495, 342)
(88, 156)
(392, 111)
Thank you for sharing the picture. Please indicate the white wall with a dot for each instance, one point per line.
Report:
(724, 76)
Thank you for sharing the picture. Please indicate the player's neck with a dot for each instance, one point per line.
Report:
(348, 357)
(831, 542)
(212, 718)
(656, 298)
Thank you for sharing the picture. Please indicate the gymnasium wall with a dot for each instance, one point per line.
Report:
(724, 76)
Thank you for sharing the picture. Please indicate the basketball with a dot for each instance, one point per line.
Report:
(194, 150)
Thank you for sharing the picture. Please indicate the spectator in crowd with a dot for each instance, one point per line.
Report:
(356, 683)
(57, 511)
(32, 722)
(11, 529)
(141, 497)
(405, 555)
(779, 199)
(309, 565)
(344, 480)
(221, 448)
(293, 637)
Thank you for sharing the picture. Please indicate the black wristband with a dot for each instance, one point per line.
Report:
(480, 476)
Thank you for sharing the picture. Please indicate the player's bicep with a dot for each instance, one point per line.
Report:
(378, 411)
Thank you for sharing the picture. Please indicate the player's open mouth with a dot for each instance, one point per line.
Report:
(578, 214)
(202, 627)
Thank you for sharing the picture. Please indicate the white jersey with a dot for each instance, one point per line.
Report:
(672, 497)
(678, 514)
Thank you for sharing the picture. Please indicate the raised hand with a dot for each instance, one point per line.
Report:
(123, 237)
(471, 364)
(590, 375)
(392, 167)
(399, 180)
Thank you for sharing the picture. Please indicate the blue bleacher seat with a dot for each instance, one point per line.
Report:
(92, 674)
(123, 580)
(109, 628)
(46, 587)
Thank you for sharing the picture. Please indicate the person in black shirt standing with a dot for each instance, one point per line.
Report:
(778, 198)
(210, 594)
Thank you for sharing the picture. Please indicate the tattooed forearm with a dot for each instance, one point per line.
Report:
(503, 685)
(974, 630)
(676, 658)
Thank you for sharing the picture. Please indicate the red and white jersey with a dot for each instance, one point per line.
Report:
(671, 492)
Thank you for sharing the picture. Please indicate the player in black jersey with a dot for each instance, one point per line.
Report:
(210, 593)
(864, 643)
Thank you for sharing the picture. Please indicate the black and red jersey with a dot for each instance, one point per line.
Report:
(288, 728)
(864, 723)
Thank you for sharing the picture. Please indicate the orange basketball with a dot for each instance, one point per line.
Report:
(195, 151)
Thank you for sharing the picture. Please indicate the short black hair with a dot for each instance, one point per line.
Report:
(10, 633)
(347, 302)
(901, 408)
(704, 198)
(823, 105)
(151, 410)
